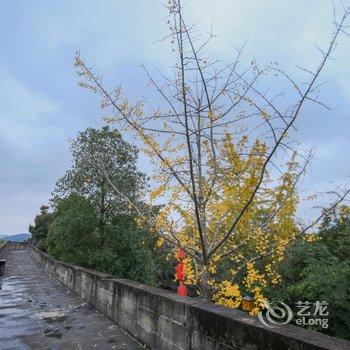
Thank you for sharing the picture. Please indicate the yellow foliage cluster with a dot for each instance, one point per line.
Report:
(228, 295)
(265, 229)
(311, 238)
(190, 275)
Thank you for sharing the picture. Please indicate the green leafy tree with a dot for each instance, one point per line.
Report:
(124, 251)
(320, 270)
(104, 170)
(94, 224)
(336, 233)
(40, 230)
(72, 234)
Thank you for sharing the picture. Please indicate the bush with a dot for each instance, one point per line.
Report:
(321, 271)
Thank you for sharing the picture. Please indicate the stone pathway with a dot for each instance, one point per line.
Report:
(37, 312)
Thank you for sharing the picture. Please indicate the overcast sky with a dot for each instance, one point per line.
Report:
(41, 104)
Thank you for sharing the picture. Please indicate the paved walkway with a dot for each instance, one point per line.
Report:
(37, 312)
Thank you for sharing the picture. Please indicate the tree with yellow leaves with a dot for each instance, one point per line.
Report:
(226, 168)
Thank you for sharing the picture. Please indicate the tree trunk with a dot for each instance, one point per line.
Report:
(205, 290)
(102, 208)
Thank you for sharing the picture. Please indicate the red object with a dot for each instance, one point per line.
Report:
(180, 273)
(182, 290)
(181, 254)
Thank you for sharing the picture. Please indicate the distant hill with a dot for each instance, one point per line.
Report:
(21, 237)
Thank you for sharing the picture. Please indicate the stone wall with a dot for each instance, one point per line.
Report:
(163, 320)
(3, 249)
(5, 246)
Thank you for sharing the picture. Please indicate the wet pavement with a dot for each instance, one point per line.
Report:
(38, 312)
